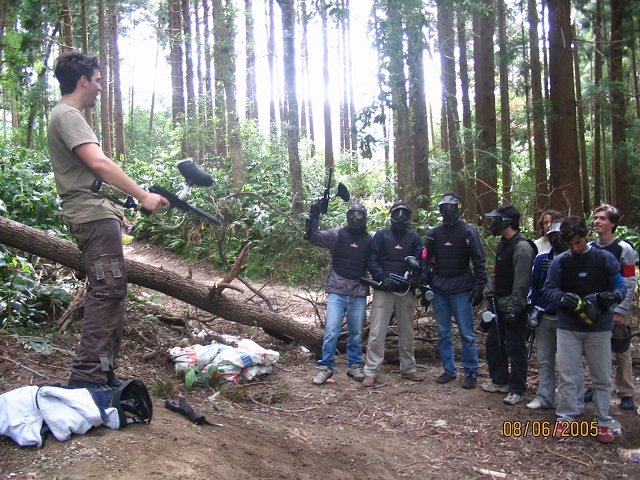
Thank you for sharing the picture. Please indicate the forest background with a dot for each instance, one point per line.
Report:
(524, 102)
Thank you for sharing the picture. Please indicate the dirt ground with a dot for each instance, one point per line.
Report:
(284, 427)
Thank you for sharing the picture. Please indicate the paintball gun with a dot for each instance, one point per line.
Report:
(323, 203)
(193, 175)
(410, 279)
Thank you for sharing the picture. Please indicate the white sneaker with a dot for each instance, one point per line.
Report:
(535, 404)
(322, 376)
(512, 399)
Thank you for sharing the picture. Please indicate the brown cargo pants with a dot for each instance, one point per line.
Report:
(101, 244)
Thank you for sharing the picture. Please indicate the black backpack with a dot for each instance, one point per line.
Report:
(132, 402)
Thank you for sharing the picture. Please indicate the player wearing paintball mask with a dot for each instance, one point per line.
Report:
(449, 249)
(509, 284)
(389, 249)
(349, 247)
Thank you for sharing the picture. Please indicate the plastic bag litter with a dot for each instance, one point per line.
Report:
(246, 360)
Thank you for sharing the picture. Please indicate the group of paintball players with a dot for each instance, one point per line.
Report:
(577, 293)
(572, 294)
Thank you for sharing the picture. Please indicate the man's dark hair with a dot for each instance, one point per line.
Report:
(573, 226)
(71, 66)
(612, 212)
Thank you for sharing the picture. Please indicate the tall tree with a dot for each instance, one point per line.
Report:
(105, 99)
(418, 102)
(486, 160)
(271, 47)
(405, 185)
(582, 143)
(306, 106)
(175, 60)
(118, 114)
(446, 43)
(67, 26)
(224, 25)
(619, 152)
(505, 114)
(292, 126)
(252, 84)
(469, 198)
(564, 160)
(328, 135)
(538, 112)
(596, 129)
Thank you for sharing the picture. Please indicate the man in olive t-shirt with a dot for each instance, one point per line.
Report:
(77, 161)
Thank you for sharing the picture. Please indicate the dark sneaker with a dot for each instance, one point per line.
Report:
(588, 396)
(368, 381)
(470, 380)
(322, 376)
(356, 372)
(626, 403)
(413, 376)
(445, 378)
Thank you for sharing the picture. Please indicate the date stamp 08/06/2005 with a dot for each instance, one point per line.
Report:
(536, 428)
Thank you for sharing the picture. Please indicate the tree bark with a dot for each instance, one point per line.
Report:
(537, 103)
(619, 153)
(486, 161)
(291, 96)
(206, 298)
(564, 162)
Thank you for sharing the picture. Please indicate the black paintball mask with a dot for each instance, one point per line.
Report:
(450, 208)
(400, 216)
(555, 239)
(503, 217)
(357, 217)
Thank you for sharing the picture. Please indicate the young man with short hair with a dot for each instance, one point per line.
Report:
(585, 283)
(94, 221)
(605, 222)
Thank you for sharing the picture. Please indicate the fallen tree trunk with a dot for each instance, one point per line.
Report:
(209, 299)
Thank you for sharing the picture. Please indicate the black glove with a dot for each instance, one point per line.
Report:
(606, 300)
(315, 210)
(476, 298)
(545, 264)
(570, 301)
(389, 284)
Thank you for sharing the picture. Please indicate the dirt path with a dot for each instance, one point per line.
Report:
(283, 427)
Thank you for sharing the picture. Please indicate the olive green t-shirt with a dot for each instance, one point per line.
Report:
(67, 129)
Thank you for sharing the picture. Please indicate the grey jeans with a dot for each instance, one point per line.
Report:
(382, 306)
(596, 346)
(101, 244)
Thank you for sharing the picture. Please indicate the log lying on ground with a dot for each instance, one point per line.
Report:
(206, 298)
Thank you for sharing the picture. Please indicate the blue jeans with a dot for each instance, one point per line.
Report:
(356, 310)
(458, 305)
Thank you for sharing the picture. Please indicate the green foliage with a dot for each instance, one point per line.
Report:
(28, 189)
(25, 299)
